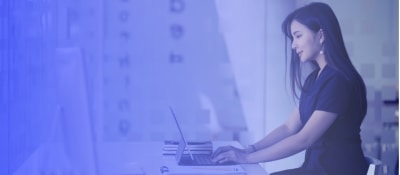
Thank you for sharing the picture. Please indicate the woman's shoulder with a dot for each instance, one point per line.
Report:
(332, 73)
(327, 73)
(335, 76)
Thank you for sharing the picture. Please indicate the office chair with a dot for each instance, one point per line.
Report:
(374, 165)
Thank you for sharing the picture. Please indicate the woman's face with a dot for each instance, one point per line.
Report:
(306, 43)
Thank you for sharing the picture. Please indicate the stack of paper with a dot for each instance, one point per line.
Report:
(170, 147)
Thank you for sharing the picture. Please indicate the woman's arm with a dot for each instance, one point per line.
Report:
(290, 127)
(316, 126)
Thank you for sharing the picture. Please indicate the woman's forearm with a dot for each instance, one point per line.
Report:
(284, 148)
(273, 137)
(290, 127)
(315, 127)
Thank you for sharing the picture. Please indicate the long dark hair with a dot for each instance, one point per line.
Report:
(319, 16)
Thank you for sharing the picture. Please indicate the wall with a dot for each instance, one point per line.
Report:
(174, 56)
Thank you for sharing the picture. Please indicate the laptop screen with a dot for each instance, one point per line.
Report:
(182, 142)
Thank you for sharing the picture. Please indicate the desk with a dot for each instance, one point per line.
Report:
(120, 157)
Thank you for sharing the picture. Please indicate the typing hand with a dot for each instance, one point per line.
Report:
(229, 154)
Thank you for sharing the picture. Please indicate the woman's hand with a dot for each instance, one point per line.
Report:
(230, 154)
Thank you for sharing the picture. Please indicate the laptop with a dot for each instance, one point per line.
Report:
(192, 159)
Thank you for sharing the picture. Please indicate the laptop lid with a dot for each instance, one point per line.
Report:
(182, 142)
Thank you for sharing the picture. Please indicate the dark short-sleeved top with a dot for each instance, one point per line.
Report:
(338, 151)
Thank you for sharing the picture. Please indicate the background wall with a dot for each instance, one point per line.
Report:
(188, 68)
(78, 73)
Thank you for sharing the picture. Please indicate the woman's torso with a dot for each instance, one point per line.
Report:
(338, 151)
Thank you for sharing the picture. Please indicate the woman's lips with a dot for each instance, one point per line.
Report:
(300, 53)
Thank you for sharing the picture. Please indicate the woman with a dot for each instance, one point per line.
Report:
(331, 107)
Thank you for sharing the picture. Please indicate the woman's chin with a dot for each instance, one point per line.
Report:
(303, 60)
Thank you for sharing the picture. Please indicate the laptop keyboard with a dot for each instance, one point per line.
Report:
(203, 159)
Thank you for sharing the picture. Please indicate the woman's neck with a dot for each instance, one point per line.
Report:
(321, 61)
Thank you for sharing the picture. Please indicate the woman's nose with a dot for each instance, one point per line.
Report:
(293, 46)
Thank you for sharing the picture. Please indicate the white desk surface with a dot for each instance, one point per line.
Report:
(128, 157)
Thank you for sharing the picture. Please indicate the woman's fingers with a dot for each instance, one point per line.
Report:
(226, 156)
(220, 157)
(220, 150)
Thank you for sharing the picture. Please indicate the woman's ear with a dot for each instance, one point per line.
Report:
(321, 36)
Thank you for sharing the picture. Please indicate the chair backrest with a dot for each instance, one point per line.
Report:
(374, 165)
